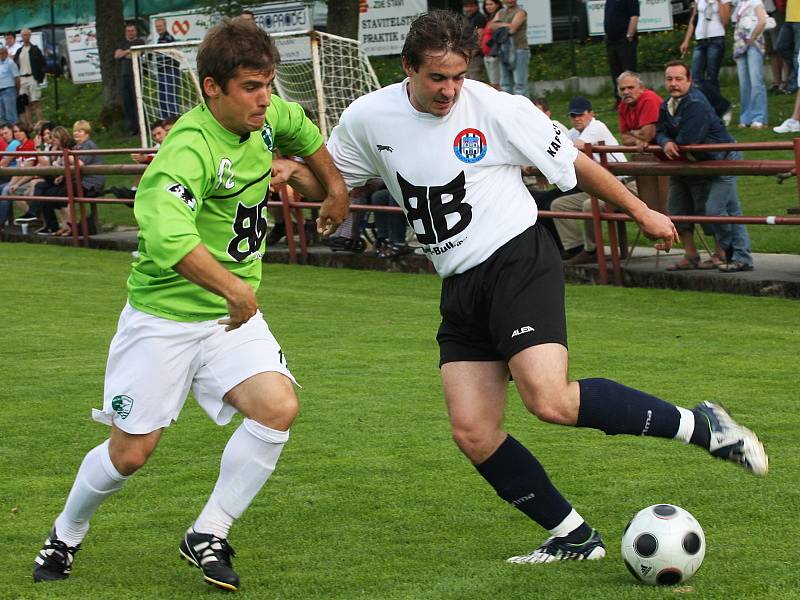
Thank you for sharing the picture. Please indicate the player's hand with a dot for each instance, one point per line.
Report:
(282, 171)
(658, 226)
(242, 305)
(671, 150)
(331, 214)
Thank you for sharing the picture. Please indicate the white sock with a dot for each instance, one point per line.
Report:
(686, 426)
(570, 523)
(247, 462)
(97, 479)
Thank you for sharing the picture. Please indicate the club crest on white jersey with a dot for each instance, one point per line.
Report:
(470, 145)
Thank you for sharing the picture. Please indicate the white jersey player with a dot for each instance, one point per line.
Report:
(450, 152)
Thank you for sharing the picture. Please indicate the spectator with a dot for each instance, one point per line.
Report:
(780, 70)
(168, 74)
(157, 132)
(620, 20)
(12, 44)
(247, 15)
(43, 140)
(8, 144)
(792, 124)
(478, 21)
(125, 70)
(390, 227)
(43, 132)
(577, 236)
(31, 64)
(789, 43)
(707, 22)
(638, 110)
(748, 51)
(514, 70)
(492, 63)
(50, 185)
(688, 118)
(20, 132)
(9, 87)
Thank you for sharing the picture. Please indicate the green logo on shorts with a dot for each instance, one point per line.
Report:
(122, 405)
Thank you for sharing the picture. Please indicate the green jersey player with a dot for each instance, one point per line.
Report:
(192, 318)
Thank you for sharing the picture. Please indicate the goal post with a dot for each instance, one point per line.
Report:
(322, 72)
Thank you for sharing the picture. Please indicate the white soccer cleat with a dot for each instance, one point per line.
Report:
(555, 549)
(730, 441)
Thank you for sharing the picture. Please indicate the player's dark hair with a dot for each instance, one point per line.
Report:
(678, 63)
(438, 32)
(541, 103)
(154, 124)
(231, 45)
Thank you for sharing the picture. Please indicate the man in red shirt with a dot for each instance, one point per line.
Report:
(638, 110)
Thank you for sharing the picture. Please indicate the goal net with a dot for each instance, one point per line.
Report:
(322, 72)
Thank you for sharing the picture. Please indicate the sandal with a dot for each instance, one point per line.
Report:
(63, 232)
(735, 266)
(712, 262)
(687, 263)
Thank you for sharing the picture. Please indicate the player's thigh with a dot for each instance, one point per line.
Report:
(235, 357)
(475, 394)
(268, 398)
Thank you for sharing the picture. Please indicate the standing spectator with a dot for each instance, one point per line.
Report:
(9, 87)
(514, 71)
(492, 63)
(123, 57)
(578, 237)
(789, 43)
(708, 21)
(620, 22)
(688, 118)
(792, 124)
(780, 70)
(168, 75)
(748, 51)
(11, 43)
(31, 64)
(638, 110)
(478, 21)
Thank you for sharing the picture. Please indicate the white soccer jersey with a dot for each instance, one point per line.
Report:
(456, 177)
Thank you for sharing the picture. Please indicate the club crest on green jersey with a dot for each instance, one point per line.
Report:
(180, 191)
(266, 135)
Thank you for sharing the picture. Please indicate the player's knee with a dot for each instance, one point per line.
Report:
(476, 443)
(549, 404)
(129, 459)
(278, 410)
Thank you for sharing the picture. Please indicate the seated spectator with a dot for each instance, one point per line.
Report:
(347, 238)
(578, 236)
(390, 227)
(92, 185)
(157, 132)
(41, 137)
(19, 184)
(58, 138)
(637, 111)
(7, 144)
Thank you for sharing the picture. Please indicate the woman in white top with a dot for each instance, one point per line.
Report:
(748, 51)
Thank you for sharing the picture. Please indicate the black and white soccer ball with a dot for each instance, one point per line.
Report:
(663, 544)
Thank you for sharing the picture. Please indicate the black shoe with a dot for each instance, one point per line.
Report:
(395, 250)
(340, 243)
(123, 193)
(567, 254)
(26, 218)
(54, 560)
(45, 231)
(277, 234)
(213, 556)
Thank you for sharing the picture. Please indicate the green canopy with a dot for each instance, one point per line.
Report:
(71, 12)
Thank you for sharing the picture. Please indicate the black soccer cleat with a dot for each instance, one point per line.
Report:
(213, 556)
(732, 442)
(556, 549)
(54, 560)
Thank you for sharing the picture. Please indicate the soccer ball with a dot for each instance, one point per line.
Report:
(663, 544)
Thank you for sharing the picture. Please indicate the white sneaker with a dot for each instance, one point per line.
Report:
(730, 441)
(726, 118)
(757, 125)
(788, 126)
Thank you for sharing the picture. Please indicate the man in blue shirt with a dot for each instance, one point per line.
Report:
(9, 86)
(687, 117)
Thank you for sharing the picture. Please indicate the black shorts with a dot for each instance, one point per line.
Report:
(509, 302)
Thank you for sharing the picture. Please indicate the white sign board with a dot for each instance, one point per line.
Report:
(540, 26)
(654, 15)
(84, 58)
(182, 25)
(383, 24)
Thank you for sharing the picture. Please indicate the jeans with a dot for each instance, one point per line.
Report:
(8, 105)
(752, 91)
(515, 81)
(707, 60)
(788, 47)
(723, 201)
(388, 226)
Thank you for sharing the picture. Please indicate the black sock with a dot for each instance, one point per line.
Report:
(701, 436)
(519, 479)
(614, 408)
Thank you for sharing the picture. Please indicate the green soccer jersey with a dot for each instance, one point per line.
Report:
(209, 186)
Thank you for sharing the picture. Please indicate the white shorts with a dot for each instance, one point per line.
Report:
(28, 85)
(154, 362)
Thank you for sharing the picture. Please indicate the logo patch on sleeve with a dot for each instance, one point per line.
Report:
(179, 191)
(470, 145)
(266, 135)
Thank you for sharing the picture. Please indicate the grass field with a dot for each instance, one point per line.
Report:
(371, 499)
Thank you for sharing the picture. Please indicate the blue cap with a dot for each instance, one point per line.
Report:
(579, 105)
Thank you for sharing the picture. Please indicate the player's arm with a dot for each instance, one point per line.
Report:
(597, 181)
(335, 204)
(297, 175)
(198, 266)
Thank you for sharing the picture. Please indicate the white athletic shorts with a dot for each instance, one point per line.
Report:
(154, 362)
(28, 85)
